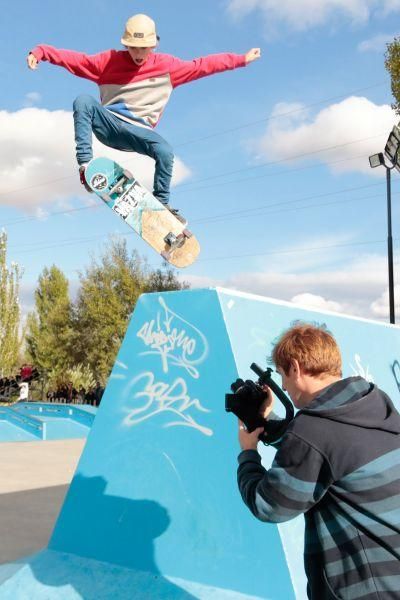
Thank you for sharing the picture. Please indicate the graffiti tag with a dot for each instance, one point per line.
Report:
(175, 340)
(156, 397)
(360, 370)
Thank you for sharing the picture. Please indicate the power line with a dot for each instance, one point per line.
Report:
(228, 173)
(294, 250)
(206, 219)
(97, 205)
(274, 173)
(51, 214)
(36, 185)
(286, 159)
(279, 115)
(265, 211)
(40, 246)
(43, 245)
(237, 256)
(66, 242)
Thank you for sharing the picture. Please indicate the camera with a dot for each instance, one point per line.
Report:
(246, 400)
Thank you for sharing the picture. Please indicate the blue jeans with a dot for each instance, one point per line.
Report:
(90, 116)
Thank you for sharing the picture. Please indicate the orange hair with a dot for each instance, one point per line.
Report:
(314, 348)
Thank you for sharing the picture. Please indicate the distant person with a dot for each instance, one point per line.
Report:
(81, 395)
(90, 396)
(70, 392)
(26, 372)
(23, 391)
(338, 463)
(135, 86)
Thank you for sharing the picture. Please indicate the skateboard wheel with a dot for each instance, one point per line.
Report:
(180, 240)
(188, 234)
(165, 255)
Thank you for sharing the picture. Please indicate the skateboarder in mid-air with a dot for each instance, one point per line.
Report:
(135, 85)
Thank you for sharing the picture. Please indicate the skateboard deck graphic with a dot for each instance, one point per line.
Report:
(155, 224)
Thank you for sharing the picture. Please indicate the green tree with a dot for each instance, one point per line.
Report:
(392, 64)
(10, 313)
(50, 333)
(109, 290)
(164, 280)
(79, 375)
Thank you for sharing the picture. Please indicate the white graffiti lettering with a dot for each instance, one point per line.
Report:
(158, 397)
(175, 340)
(360, 370)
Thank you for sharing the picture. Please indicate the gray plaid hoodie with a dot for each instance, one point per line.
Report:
(339, 464)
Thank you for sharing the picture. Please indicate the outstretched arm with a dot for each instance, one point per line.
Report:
(184, 71)
(80, 64)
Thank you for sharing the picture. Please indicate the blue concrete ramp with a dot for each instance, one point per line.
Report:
(153, 510)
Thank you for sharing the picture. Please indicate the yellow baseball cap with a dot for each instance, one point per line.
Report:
(140, 32)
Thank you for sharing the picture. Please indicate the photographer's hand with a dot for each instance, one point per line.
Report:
(249, 441)
(268, 403)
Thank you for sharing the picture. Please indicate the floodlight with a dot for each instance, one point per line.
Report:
(376, 160)
(393, 146)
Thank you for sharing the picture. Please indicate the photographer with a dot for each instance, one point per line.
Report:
(338, 462)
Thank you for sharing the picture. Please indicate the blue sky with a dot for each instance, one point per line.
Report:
(272, 160)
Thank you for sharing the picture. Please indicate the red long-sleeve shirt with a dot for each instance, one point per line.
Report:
(137, 93)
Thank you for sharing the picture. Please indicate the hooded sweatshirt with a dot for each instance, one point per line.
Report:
(339, 464)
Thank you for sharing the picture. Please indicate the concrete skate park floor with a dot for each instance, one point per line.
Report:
(34, 478)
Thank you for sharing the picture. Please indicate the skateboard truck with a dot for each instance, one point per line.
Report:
(118, 187)
(174, 241)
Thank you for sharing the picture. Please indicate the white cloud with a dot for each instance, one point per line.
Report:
(356, 288)
(26, 297)
(380, 307)
(316, 302)
(376, 43)
(335, 127)
(41, 214)
(301, 15)
(37, 159)
(201, 281)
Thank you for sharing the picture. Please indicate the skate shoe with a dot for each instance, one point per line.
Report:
(82, 178)
(175, 212)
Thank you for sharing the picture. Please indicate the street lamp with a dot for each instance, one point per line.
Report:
(376, 160)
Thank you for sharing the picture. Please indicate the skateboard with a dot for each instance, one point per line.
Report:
(146, 215)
